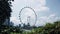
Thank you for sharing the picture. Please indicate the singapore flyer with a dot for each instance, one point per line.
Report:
(27, 15)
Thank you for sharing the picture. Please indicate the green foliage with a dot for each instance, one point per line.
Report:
(5, 12)
(48, 29)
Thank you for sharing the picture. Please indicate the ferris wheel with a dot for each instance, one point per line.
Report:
(27, 15)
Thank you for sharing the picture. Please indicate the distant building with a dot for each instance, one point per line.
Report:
(11, 24)
(8, 23)
(19, 25)
(27, 27)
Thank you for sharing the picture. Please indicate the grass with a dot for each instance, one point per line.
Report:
(14, 33)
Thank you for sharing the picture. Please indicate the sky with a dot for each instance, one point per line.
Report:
(47, 11)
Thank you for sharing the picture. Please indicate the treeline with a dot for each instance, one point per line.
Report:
(49, 28)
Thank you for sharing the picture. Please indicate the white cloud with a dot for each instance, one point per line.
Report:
(15, 20)
(52, 15)
(49, 18)
(37, 5)
(44, 19)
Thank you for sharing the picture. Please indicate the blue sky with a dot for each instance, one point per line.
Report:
(46, 10)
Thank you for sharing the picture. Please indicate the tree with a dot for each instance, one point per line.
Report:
(56, 29)
(5, 11)
(57, 24)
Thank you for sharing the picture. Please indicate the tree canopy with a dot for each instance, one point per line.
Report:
(5, 10)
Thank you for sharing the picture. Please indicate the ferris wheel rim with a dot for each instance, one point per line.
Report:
(32, 10)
